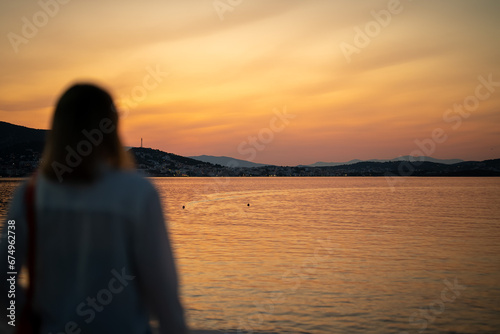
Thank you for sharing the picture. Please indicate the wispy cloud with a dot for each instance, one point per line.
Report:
(226, 76)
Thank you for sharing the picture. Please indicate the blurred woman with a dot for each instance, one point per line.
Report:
(103, 262)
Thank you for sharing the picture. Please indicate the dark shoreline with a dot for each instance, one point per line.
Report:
(23, 177)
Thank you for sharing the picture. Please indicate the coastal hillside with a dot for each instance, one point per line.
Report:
(158, 163)
(402, 158)
(16, 138)
(227, 161)
(21, 148)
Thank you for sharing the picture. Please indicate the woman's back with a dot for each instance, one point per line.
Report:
(103, 256)
(103, 259)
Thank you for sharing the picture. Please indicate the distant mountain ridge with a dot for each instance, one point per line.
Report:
(226, 161)
(402, 158)
(21, 147)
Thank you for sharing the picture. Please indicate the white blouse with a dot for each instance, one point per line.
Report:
(104, 263)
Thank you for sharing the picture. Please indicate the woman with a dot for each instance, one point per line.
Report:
(103, 260)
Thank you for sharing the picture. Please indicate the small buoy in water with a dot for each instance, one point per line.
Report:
(248, 204)
(183, 207)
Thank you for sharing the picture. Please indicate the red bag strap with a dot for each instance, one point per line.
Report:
(30, 217)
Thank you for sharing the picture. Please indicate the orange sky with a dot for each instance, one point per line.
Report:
(233, 64)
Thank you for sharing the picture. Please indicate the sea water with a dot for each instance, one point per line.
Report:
(334, 255)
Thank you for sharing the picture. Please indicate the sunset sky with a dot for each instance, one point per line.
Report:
(355, 79)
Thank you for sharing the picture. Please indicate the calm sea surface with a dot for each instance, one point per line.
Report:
(334, 255)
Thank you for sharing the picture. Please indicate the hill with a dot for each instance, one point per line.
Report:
(402, 158)
(21, 147)
(227, 161)
(159, 163)
(15, 138)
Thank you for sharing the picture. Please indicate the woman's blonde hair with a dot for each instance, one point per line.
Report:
(83, 136)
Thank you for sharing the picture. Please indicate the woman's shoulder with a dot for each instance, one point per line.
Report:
(110, 180)
(128, 182)
(126, 192)
(130, 177)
